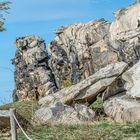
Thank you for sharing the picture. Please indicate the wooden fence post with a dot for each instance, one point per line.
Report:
(13, 124)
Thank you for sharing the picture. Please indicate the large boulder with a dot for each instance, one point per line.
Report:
(122, 109)
(132, 78)
(88, 89)
(61, 113)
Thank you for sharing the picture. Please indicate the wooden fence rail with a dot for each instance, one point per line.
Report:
(10, 114)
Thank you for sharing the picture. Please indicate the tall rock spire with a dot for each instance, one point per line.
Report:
(33, 77)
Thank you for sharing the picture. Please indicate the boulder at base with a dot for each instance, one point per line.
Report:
(122, 109)
(132, 78)
(61, 113)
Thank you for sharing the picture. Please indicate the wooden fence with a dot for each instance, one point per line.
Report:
(10, 114)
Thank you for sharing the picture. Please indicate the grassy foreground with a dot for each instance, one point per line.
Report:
(24, 109)
(100, 130)
(103, 130)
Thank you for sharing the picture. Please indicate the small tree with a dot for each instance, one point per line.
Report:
(3, 9)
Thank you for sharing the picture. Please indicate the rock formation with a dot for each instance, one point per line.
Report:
(132, 78)
(125, 108)
(87, 90)
(122, 109)
(125, 34)
(61, 113)
(85, 60)
(33, 76)
(79, 50)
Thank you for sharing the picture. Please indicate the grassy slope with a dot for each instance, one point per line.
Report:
(24, 110)
(103, 130)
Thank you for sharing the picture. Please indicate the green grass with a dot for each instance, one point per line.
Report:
(100, 130)
(98, 104)
(103, 130)
(24, 110)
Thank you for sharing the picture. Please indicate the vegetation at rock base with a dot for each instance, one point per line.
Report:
(24, 110)
(98, 104)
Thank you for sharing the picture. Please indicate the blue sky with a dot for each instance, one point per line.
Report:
(42, 17)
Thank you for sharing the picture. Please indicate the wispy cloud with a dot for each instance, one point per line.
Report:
(30, 10)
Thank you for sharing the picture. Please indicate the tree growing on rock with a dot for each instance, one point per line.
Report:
(3, 9)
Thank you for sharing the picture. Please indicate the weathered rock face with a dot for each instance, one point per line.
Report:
(33, 76)
(87, 90)
(125, 34)
(61, 113)
(122, 109)
(79, 50)
(125, 108)
(132, 78)
(86, 60)
(125, 38)
(123, 22)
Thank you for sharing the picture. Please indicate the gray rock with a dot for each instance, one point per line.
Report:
(124, 34)
(132, 78)
(122, 109)
(88, 89)
(123, 22)
(80, 50)
(32, 75)
(61, 113)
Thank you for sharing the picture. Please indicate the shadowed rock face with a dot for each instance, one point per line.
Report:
(79, 50)
(33, 76)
